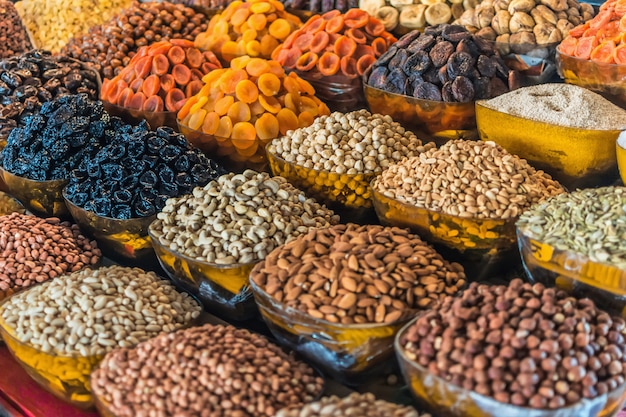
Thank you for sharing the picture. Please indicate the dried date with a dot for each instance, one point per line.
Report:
(460, 63)
(417, 63)
(399, 59)
(422, 43)
(462, 89)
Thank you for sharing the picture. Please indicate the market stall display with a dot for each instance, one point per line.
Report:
(208, 241)
(519, 349)
(238, 372)
(61, 329)
(332, 296)
(58, 248)
(110, 46)
(582, 127)
(332, 52)
(335, 158)
(254, 28)
(15, 38)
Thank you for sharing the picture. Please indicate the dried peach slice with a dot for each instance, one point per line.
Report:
(379, 46)
(604, 52)
(267, 127)
(153, 104)
(335, 24)
(211, 123)
(344, 46)
(239, 112)
(328, 64)
(269, 84)
(314, 25)
(243, 131)
(319, 42)
(270, 103)
(224, 128)
(374, 27)
(222, 105)
(136, 85)
(585, 46)
(247, 91)
(568, 46)
(619, 54)
(364, 63)
(349, 67)
(307, 61)
(287, 120)
(280, 28)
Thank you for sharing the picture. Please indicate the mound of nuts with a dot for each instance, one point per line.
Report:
(470, 179)
(521, 344)
(34, 250)
(91, 312)
(355, 404)
(238, 218)
(213, 370)
(351, 143)
(358, 274)
(14, 39)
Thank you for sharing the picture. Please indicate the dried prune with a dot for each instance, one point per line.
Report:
(397, 82)
(417, 63)
(399, 59)
(497, 87)
(441, 52)
(378, 77)
(460, 63)
(481, 88)
(431, 76)
(387, 56)
(462, 89)
(443, 74)
(467, 45)
(446, 92)
(455, 33)
(486, 66)
(427, 91)
(407, 39)
(423, 43)
(434, 31)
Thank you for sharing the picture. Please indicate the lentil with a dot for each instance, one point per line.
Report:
(34, 250)
(226, 371)
(238, 218)
(467, 179)
(521, 344)
(14, 39)
(357, 274)
(91, 312)
(564, 105)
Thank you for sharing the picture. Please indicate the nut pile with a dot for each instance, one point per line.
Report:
(225, 371)
(32, 78)
(358, 274)
(136, 172)
(91, 312)
(53, 22)
(110, 46)
(14, 39)
(34, 250)
(354, 405)
(521, 344)
(525, 22)
(351, 143)
(445, 63)
(467, 179)
(598, 215)
(238, 218)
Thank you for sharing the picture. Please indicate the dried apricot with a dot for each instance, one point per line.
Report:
(319, 42)
(247, 91)
(308, 105)
(269, 84)
(280, 28)
(176, 55)
(261, 7)
(136, 85)
(239, 112)
(306, 87)
(232, 78)
(328, 63)
(356, 18)
(374, 27)
(151, 85)
(303, 42)
(356, 35)
(154, 104)
(267, 127)
(181, 74)
(136, 101)
(349, 67)
(291, 83)
(287, 120)
(364, 63)
(159, 48)
(335, 24)
(196, 119)
(143, 66)
(270, 103)
(253, 48)
(257, 21)
(289, 57)
(604, 52)
(257, 67)
(199, 104)
(224, 128)
(345, 46)
(240, 62)
(305, 119)
(314, 24)
(124, 96)
(211, 123)
(292, 102)
(330, 14)
(268, 44)
(174, 99)
(184, 110)
(244, 131)
(307, 61)
(222, 105)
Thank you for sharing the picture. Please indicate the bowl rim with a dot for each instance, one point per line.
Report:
(10, 196)
(560, 54)
(402, 358)
(143, 112)
(155, 241)
(70, 203)
(411, 206)
(292, 312)
(62, 181)
(366, 86)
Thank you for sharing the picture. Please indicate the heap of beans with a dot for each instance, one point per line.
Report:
(54, 141)
(352, 143)
(135, 173)
(110, 46)
(238, 218)
(353, 405)
(34, 250)
(357, 274)
(225, 371)
(521, 344)
(445, 63)
(53, 22)
(253, 28)
(160, 77)
(14, 39)
(334, 43)
(467, 179)
(30, 79)
(91, 312)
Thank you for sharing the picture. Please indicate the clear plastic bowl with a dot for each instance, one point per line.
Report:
(341, 93)
(131, 116)
(44, 198)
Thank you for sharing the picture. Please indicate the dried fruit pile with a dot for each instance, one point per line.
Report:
(15, 38)
(322, 6)
(601, 38)
(254, 100)
(253, 28)
(160, 77)
(524, 22)
(445, 63)
(335, 43)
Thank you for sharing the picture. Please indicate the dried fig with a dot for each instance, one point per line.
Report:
(556, 5)
(485, 15)
(500, 22)
(487, 33)
(468, 18)
(573, 11)
(573, 3)
(543, 31)
(521, 22)
(564, 26)
(522, 38)
(412, 16)
(542, 13)
(587, 16)
(561, 15)
(575, 20)
(503, 41)
(586, 8)
(470, 4)
(438, 13)
(501, 5)
(457, 10)
(521, 6)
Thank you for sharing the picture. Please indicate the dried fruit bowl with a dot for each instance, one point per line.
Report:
(341, 93)
(346, 352)
(474, 238)
(438, 118)
(132, 116)
(350, 191)
(127, 239)
(448, 400)
(221, 288)
(620, 150)
(44, 198)
(577, 158)
(573, 272)
(67, 377)
(609, 80)
(235, 154)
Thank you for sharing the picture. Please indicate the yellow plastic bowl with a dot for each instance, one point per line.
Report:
(472, 237)
(450, 400)
(223, 289)
(154, 119)
(116, 238)
(438, 118)
(577, 158)
(621, 160)
(44, 198)
(609, 80)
